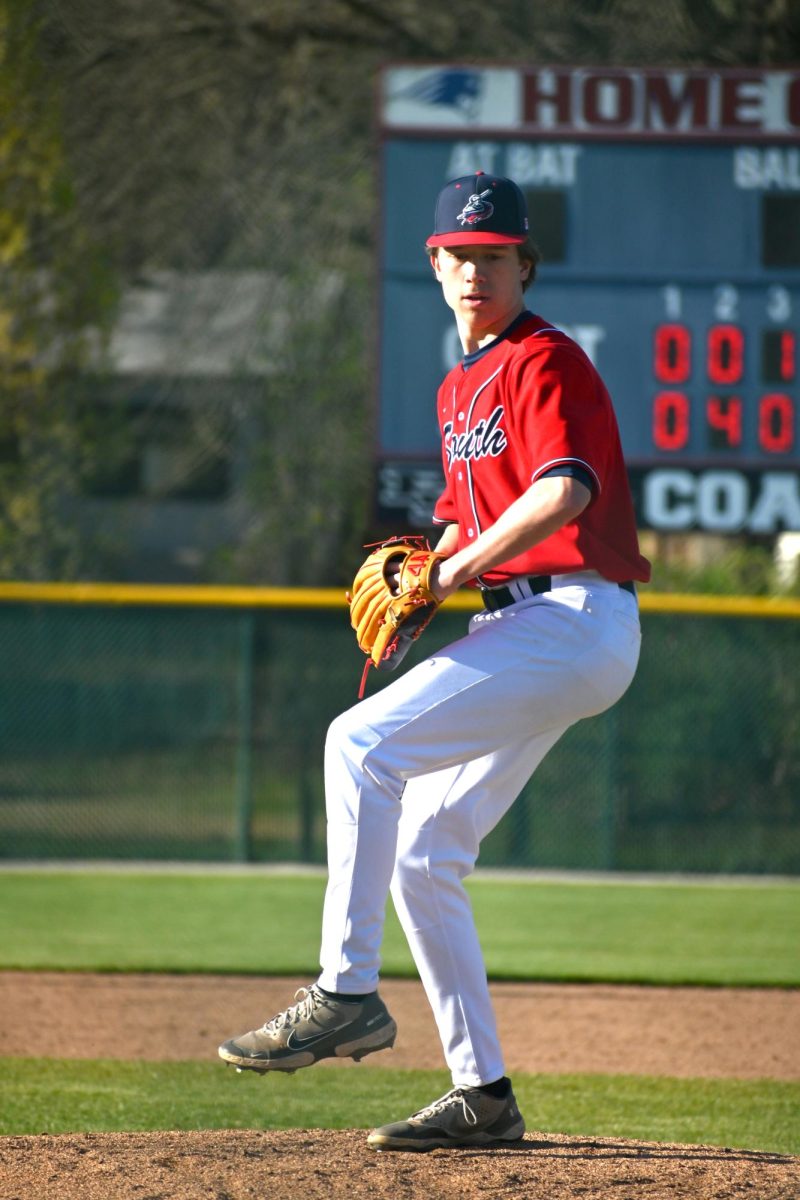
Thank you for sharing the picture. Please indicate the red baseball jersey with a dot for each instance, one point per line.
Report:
(531, 403)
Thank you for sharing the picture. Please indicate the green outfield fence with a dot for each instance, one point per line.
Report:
(187, 723)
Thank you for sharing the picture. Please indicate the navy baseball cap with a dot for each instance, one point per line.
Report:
(480, 209)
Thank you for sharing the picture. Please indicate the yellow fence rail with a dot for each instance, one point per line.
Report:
(225, 596)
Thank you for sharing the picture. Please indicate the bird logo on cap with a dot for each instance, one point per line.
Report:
(477, 208)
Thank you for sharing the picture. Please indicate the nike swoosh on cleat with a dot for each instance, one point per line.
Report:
(295, 1043)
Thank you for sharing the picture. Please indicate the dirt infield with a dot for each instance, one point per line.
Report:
(743, 1033)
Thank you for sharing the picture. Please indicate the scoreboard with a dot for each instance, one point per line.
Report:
(666, 204)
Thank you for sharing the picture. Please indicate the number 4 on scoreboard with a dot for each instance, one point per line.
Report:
(724, 419)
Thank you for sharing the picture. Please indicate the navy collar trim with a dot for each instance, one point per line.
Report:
(469, 360)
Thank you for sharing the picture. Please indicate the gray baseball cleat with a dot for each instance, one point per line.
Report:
(316, 1027)
(465, 1116)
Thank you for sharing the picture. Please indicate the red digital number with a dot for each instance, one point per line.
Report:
(672, 354)
(776, 423)
(787, 356)
(725, 360)
(724, 416)
(778, 355)
(671, 420)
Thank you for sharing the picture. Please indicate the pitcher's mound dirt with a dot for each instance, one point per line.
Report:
(314, 1164)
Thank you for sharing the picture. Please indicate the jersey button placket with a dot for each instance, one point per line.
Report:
(462, 421)
(459, 421)
(462, 473)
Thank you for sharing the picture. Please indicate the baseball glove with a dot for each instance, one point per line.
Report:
(387, 619)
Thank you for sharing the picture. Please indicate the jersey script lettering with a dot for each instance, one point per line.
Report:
(486, 440)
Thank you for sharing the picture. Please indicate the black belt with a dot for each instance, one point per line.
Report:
(501, 597)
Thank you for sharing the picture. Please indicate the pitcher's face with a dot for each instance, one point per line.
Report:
(483, 286)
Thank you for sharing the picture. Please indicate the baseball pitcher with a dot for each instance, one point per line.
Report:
(536, 513)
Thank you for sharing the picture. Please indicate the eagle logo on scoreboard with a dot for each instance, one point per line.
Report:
(460, 91)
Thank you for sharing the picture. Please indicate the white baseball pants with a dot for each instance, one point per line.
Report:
(418, 773)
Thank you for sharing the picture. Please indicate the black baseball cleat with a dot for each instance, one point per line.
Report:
(466, 1116)
(318, 1026)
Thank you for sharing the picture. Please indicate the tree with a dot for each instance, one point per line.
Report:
(54, 295)
(238, 135)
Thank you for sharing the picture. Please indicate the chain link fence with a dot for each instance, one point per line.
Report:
(188, 724)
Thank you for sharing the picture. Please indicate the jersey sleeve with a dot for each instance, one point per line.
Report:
(444, 512)
(562, 415)
(573, 471)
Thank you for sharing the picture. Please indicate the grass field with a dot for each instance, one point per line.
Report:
(665, 933)
(660, 933)
(67, 1096)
